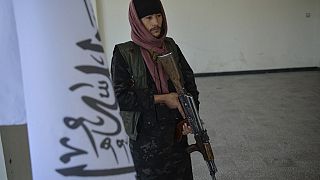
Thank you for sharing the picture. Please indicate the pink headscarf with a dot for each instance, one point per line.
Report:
(148, 43)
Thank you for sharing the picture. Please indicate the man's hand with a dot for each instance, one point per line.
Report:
(171, 100)
(186, 129)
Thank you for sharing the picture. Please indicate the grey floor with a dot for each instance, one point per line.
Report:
(262, 127)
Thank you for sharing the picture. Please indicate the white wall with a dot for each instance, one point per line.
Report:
(113, 23)
(233, 35)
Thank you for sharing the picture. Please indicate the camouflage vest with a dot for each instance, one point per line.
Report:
(136, 67)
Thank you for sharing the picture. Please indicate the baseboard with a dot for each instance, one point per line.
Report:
(263, 71)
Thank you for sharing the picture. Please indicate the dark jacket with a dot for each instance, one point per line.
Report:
(136, 99)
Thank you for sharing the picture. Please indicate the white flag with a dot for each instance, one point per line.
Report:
(75, 129)
(12, 109)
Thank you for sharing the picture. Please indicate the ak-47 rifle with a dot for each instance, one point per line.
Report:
(200, 134)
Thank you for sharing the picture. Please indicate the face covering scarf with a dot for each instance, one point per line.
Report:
(150, 47)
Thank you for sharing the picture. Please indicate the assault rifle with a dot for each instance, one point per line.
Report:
(192, 116)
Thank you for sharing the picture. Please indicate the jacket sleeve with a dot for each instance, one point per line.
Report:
(129, 97)
(188, 77)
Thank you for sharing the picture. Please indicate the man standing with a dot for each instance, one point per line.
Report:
(147, 97)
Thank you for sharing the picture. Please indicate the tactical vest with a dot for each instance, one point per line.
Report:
(137, 68)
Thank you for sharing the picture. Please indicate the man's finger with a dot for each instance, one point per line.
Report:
(185, 129)
(189, 129)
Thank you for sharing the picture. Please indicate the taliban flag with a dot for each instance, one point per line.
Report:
(74, 126)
